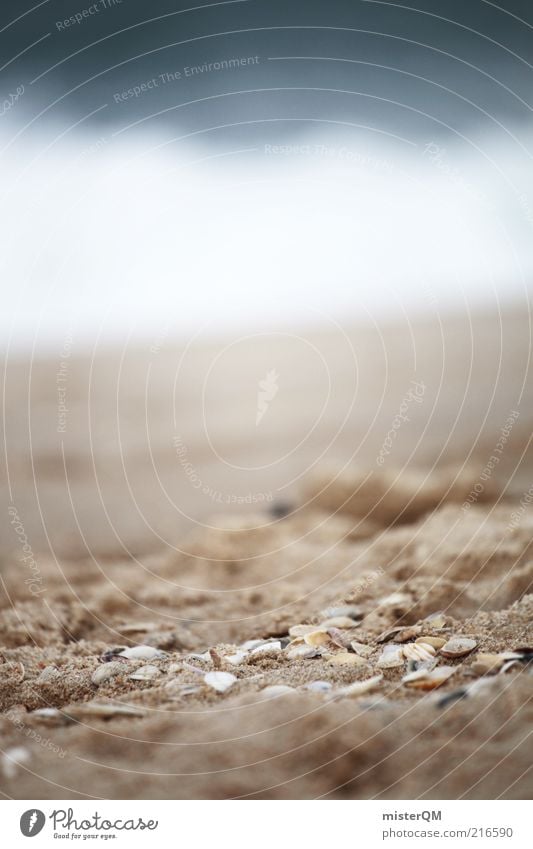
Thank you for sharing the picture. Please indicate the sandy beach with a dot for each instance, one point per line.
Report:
(264, 566)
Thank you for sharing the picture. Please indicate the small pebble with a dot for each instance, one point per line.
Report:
(220, 681)
(458, 647)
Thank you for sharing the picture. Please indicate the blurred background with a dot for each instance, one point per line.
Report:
(233, 236)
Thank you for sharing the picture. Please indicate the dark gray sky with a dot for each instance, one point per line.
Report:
(441, 67)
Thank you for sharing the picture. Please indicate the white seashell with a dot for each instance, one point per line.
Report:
(275, 690)
(267, 648)
(237, 658)
(145, 673)
(301, 651)
(46, 713)
(361, 649)
(107, 671)
(360, 687)
(391, 656)
(12, 758)
(437, 620)
(419, 651)
(220, 681)
(318, 686)
(458, 647)
(251, 644)
(142, 653)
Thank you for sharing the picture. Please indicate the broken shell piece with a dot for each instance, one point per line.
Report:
(419, 651)
(103, 710)
(220, 681)
(344, 658)
(361, 649)
(391, 656)
(145, 673)
(275, 690)
(436, 642)
(301, 630)
(302, 651)
(437, 620)
(106, 672)
(237, 658)
(251, 644)
(360, 687)
(49, 715)
(407, 634)
(337, 622)
(318, 686)
(346, 610)
(389, 634)
(142, 653)
(458, 647)
(317, 638)
(424, 679)
(273, 647)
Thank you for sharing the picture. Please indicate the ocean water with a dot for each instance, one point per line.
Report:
(105, 240)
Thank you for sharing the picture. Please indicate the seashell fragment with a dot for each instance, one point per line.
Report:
(484, 664)
(220, 681)
(317, 638)
(301, 651)
(145, 673)
(389, 634)
(106, 672)
(391, 656)
(142, 653)
(361, 649)
(273, 647)
(360, 687)
(337, 622)
(437, 620)
(301, 630)
(436, 642)
(419, 651)
(237, 658)
(344, 658)
(429, 679)
(458, 647)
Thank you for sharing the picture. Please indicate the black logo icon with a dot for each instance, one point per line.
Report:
(32, 822)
